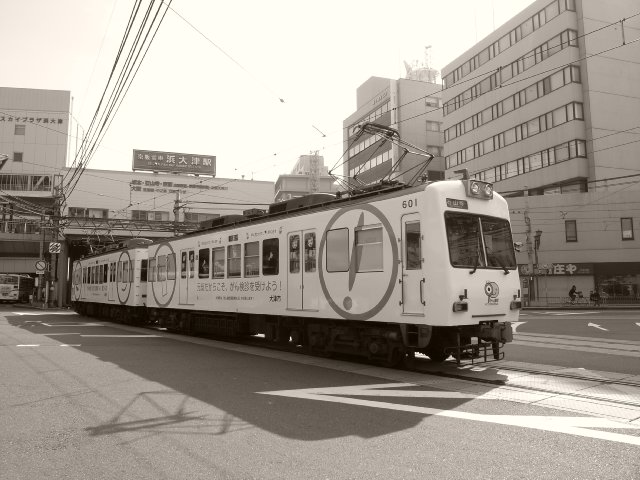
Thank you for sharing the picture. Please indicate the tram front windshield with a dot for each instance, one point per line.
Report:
(477, 241)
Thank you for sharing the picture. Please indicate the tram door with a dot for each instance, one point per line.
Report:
(302, 271)
(111, 285)
(413, 280)
(187, 277)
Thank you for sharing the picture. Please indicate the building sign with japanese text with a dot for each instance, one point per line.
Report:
(556, 269)
(174, 162)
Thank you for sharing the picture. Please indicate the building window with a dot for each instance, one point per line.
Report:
(88, 212)
(571, 231)
(433, 126)
(626, 224)
(19, 129)
(17, 156)
(146, 215)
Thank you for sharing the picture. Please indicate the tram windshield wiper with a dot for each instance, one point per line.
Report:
(475, 266)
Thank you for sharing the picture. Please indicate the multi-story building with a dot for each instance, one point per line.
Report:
(412, 107)
(309, 175)
(34, 139)
(548, 108)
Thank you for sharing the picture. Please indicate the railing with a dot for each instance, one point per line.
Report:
(586, 302)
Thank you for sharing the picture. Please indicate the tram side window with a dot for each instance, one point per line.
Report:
(251, 259)
(412, 246)
(84, 275)
(369, 248)
(183, 265)
(203, 263)
(162, 268)
(125, 271)
(171, 266)
(270, 256)
(234, 260)
(119, 273)
(294, 254)
(105, 273)
(217, 258)
(152, 270)
(338, 250)
(310, 252)
(143, 270)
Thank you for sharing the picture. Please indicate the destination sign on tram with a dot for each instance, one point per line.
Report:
(455, 203)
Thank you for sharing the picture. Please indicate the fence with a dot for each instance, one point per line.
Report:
(586, 302)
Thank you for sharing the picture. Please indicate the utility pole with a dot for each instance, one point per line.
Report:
(57, 204)
(176, 213)
(41, 275)
(527, 221)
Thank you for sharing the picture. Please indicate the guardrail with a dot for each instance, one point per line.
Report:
(586, 302)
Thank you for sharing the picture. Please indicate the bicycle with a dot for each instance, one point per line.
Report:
(578, 300)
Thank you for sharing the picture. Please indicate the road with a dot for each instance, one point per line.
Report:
(81, 398)
(592, 339)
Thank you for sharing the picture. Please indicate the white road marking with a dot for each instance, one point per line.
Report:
(580, 426)
(515, 325)
(44, 312)
(559, 313)
(69, 345)
(595, 325)
(29, 345)
(73, 324)
(122, 336)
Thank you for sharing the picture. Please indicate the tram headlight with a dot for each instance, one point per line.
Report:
(479, 189)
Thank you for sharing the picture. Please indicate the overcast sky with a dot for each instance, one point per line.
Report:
(189, 96)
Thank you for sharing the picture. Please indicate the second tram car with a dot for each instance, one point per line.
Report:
(112, 283)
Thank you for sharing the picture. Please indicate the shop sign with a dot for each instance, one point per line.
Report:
(559, 269)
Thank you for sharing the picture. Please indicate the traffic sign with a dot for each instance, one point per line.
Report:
(55, 247)
(41, 265)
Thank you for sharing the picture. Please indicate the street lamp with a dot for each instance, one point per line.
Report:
(536, 246)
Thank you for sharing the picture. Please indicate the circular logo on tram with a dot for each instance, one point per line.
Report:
(163, 288)
(77, 281)
(367, 288)
(123, 285)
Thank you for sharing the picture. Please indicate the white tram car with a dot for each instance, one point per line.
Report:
(387, 273)
(112, 284)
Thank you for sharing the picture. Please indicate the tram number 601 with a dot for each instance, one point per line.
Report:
(410, 203)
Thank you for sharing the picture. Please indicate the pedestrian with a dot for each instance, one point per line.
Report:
(572, 294)
(595, 297)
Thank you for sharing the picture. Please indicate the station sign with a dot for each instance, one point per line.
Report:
(173, 162)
